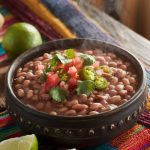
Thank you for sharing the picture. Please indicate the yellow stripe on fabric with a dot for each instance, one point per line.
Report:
(10, 16)
(40, 10)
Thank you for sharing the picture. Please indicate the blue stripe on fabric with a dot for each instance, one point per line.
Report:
(102, 147)
(75, 20)
(2, 51)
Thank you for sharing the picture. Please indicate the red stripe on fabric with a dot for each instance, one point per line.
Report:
(17, 134)
(137, 141)
(3, 57)
(5, 121)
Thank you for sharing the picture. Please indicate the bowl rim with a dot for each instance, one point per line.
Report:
(8, 81)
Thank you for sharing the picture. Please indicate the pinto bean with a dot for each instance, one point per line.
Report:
(115, 99)
(114, 80)
(29, 64)
(123, 67)
(62, 110)
(37, 86)
(101, 59)
(20, 93)
(113, 92)
(132, 80)
(45, 97)
(90, 99)
(53, 113)
(93, 112)
(71, 103)
(125, 81)
(39, 73)
(104, 102)
(21, 74)
(129, 88)
(29, 75)
(108, 58)
(88, 52)
(26, 83)
(83, 98)
(18, 86)
(82, 112)
(35, 98)
(120, 73)
(39, 58)
(119, 87)
(70, 113)
(25, 69)
(112, 64)
(46, 56)
(79, 106)
(123, 92)
(111, 87)
(102, 97)
(112, 55)
(119, 62)
(30, 94)
(122, 102)
(39, 105)
(95, 106)
(112, 106)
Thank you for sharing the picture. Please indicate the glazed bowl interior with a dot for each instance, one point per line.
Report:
(82, 44)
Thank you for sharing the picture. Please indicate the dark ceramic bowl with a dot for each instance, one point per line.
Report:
(80, 131)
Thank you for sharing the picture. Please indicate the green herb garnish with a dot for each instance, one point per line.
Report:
(62, 59)
(58, 94)
(88, 59)
(44, 76)
(85, 87)
(70, 53)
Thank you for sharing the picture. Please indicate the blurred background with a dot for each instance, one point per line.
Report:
(133, 13)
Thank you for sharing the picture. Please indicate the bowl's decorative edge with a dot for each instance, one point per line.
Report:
(76, 133)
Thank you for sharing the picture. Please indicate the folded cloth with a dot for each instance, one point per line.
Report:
(24, 14)
(77, 22)
(41, 11)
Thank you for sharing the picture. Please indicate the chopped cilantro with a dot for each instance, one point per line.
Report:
(85, 87)
(70, 53)
(58, 94)
(88, 59)
(43, 76)
(62, 59)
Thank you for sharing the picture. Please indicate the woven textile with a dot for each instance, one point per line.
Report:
(137, 138)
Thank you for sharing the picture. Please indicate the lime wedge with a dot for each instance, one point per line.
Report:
(28, 142)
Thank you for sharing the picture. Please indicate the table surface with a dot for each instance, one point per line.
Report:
(126, 37)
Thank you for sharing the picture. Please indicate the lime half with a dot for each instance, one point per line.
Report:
(28, 142)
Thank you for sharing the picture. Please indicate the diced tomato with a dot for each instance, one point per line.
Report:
(48, 74)
(64, 85)
(72, 71)
(51, 81)
(77, 62)
(60, 66)
(66, 67)
(72, 82)
(96, 64)
(39, 67)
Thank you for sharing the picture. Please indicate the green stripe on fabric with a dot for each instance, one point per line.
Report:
(4, 11)
(138, 130)
(9, 131)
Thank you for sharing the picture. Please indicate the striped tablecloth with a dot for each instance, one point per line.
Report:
(63, 19)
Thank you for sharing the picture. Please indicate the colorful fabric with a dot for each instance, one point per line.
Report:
(71, 21)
